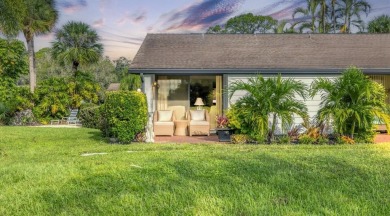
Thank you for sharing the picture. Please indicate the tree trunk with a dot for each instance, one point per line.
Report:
(271, 134)
(353, 129)
(75, 66)
(334, 15)
(31, 60)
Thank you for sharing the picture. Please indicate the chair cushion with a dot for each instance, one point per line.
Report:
(194, 122)
(165, 115)
(197, 115)
(165, 123)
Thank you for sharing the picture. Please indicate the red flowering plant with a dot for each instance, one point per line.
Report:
(222, 121)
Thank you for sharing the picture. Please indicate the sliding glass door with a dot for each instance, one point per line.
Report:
(193, 92)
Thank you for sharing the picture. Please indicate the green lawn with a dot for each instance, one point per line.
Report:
(42, 172)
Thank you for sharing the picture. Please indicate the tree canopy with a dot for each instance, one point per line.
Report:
(246, 24)
(380, 24)
(77, 43)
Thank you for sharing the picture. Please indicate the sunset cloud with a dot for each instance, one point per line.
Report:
(199, 15)
(136, 17)
(98, 23)
(72, 6)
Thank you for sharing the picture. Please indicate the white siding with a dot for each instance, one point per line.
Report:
(311, 103)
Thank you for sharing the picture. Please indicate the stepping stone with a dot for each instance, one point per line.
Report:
(91, 154)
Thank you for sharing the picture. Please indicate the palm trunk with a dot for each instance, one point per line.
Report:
(334, 15)
(353, 129)
(31, 60)
(271, 134)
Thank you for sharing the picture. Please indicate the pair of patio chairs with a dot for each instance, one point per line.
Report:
(198, 121)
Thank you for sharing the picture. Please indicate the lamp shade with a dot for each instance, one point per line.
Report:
(199, 102)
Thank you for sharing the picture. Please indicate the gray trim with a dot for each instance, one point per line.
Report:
(254, 71)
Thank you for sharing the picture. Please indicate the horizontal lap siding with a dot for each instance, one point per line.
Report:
(312, 104)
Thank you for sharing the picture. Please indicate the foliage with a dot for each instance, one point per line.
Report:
(122, 65)
(351, 102)
(246, 24)
(103, 71)
(309, 17)
(83, 88)
(222, 121)
(350, 11)
(90, 116)
(52, 98)
(13, 61)
(31, 18)
(76, 43)
(306, 139)
(273, 98)
(380, 24)
(346, 140)
(47, 67)
(284, 140)
(216, 29)
(126, 115)
(240, 138)
(130, 82)
(322, 140)
(13, 98)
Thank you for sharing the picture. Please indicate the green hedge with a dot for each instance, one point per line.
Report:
(90, 116)
(126, 115)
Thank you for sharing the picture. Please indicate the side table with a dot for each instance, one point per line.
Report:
(181, 127)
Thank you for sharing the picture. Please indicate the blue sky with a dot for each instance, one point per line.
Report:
(122, 24)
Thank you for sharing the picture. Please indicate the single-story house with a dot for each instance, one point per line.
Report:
(177, 69)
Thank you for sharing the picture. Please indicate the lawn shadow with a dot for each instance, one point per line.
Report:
(96, 135)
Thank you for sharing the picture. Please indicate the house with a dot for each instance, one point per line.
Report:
(177, 69)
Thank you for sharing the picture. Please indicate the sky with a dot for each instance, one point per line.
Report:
(123, 24)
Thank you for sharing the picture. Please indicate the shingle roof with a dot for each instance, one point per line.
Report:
(262, 51)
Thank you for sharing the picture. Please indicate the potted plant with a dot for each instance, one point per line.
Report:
(222, 129)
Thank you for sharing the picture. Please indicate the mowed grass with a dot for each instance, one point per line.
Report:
(42, 172)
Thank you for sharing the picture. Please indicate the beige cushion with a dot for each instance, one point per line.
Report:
(197, 115)
(165, 115)
(164, 123)
(194, 122)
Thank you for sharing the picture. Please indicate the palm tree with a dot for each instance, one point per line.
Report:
(350, 9)
(32, 17)
(311, 12)
(282, 27)
(77, 43)
(380, 24)
(351, 102)
(273, 98)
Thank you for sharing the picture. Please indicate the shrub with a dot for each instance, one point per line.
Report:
(306, 139)
(126, 114)
(284, 140)
(130, 82)
(52, 99)
(239, 138)
(90, 116)
(322, 140)
(346, 140)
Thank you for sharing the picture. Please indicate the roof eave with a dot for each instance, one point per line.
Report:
(182, 71)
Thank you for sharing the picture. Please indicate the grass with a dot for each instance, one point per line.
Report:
(42, 172)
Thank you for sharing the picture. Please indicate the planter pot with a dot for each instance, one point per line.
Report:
(224, 134)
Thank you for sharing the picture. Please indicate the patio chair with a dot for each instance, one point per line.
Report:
(163, 122)
(72, 118)
(199, 122)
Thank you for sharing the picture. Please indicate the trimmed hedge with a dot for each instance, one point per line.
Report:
(126, 115)
(90, 116)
